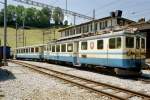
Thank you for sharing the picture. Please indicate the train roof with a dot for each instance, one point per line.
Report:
(32, 46)
(111, 34)
(101, 19)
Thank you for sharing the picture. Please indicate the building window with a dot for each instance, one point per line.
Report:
(70, 47)
(53, 48)
(84, 46)
(138, 42)
(129, 42)
(115, 43)
(91, 27)
(99, 44)
(106, 24)
(57, 48)
(142, 43)
(100, 25)
(95, 26)
(63, 48)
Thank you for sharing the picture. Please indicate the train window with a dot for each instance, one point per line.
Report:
(57, 48)
(99, 44)
(112, 43)
(50, 48)
(17, 51)
(115, 43)
(138, 42)
(45, 48)
(70, 47)
(129, 42)
(32, 49)
(27, 50)
(53, 48)
(142, 43)
(84, 46)
(119, 42)
(36, 49)
(63, 48)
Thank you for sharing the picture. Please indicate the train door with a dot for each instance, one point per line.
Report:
(76, 54)
(139, 49)
(41, 52)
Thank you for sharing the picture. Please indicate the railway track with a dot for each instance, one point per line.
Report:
(113, 92)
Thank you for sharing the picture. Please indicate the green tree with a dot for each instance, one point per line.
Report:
(58, 16)
(31, 18)
(11, 10)
(20, 10)
(46, 14)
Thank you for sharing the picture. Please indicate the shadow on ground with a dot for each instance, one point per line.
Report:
(6, 75)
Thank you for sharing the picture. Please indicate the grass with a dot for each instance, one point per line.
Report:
(33, 36)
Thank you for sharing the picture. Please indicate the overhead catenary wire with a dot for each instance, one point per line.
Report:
(34, 3)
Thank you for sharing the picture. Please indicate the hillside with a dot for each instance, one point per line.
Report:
(33, 36)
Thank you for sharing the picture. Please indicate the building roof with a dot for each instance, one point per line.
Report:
(109, 17)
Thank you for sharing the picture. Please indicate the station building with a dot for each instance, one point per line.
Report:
(104, 25)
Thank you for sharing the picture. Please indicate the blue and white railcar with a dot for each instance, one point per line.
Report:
(30, 52)
(119, 50)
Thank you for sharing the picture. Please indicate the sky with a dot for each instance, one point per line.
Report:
(132, 9)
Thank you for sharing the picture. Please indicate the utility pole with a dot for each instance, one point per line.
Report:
(5, 33)
(23, 33)
(94, 22)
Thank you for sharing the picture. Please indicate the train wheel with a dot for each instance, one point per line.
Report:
(123, 72)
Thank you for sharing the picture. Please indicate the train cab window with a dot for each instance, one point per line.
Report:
(137, 42)
(99, 44)
(36, 49)
(63, 48)
(53, 48)
(115, 43)
(129, 42)
(142, 43)
(57, 48)
(70, 47)
(84, 46)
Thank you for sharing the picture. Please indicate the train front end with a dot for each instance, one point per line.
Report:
(135, 54)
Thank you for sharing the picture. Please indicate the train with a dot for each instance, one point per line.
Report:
(122, 51)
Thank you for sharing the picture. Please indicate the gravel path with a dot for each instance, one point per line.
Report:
(19, 83)
(120, 82)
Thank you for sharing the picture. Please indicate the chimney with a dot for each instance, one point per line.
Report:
(118, 13)
(112, 14)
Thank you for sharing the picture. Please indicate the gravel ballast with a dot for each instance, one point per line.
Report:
(131, 84)
(19, 83)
